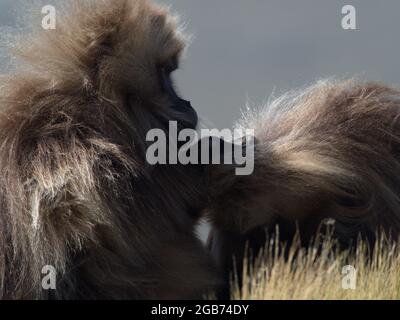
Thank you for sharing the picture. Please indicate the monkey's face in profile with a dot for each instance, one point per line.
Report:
(143, 50)
(124, 54)
(178, 105)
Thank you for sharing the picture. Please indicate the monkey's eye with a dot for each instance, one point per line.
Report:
(166, 81)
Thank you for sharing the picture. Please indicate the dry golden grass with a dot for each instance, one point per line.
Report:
(317, 274)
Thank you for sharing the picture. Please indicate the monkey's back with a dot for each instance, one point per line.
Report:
(328, 151)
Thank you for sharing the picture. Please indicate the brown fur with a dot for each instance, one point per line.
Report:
(331, 151)
(76, 192)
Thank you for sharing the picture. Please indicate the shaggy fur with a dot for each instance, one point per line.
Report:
(331, 151)
(75, 190)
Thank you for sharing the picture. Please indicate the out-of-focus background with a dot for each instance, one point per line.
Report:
(243, 50)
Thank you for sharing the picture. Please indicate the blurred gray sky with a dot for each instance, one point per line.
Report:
(245, 49)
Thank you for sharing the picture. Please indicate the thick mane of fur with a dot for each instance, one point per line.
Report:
(328, 151)
(75, 190)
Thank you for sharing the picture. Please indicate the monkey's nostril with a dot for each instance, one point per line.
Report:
(195, 118)
(185, 104)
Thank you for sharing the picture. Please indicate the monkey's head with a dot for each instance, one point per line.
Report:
(120, 52)
(142, 44)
